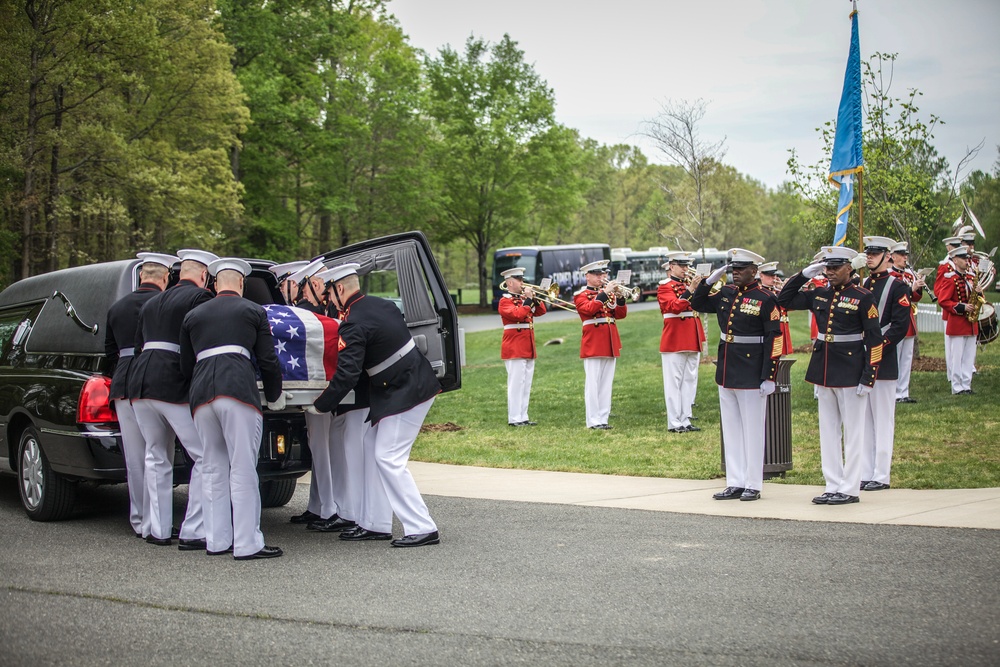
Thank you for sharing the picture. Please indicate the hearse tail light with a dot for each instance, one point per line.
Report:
(281, 444)
(94, 405)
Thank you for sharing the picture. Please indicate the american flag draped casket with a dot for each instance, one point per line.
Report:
(306, 345)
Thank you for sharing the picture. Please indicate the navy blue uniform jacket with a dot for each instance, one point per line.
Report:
(123, 317)
(894, 318)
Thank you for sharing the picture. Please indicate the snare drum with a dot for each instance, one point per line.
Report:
(988, 330)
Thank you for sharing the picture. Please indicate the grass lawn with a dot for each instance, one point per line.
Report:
(943, 441)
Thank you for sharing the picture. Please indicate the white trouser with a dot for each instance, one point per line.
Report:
(880, 432)
(948, 365)
(743, 414)
(600, 375)
(394, 436)
(960, 355)
(134, 449)
(904, 359)
(347, 439)
(519, 375)
(679, 385)
(159, 422)
(376, 512)
(322, 500)
(841, 437)
(231, 431)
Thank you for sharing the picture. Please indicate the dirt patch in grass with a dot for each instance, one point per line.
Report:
(439, 428)
(929, 365)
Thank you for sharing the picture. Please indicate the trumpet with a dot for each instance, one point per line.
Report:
(622, 292)
(548, 296)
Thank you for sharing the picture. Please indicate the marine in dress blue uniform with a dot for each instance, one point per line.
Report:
(159, 394)
(843, 366)
(749, 348)
(225, 402)
(892, 297)
(402, 386)
(119, 350)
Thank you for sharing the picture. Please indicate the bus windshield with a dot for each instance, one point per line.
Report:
(514, 259)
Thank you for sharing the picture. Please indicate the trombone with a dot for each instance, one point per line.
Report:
(548, 296)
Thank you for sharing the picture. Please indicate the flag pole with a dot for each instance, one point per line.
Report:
(861, 211)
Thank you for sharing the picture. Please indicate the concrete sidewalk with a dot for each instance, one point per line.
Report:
(957, 508)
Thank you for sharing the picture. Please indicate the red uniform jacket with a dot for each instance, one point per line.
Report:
(908, 276)
(682, 329)
(518, 317)
(598, 313)
(786, 332)
(818, 281)
(944, 267)
(956, 288)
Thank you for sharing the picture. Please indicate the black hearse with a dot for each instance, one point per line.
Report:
(56, 426)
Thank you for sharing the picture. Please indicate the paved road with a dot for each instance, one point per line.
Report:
(512, 583)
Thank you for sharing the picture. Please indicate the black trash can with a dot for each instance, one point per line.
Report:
(777, 425)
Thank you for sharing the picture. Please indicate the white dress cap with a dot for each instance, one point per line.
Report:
(965, 230)
(902, 247)
(342, 271)
(952, 240)
(516, 272)
(743, 256)
(969, 236)
(837, 254)
(157, 258)
(679, 256)
(307, 271)
(600, 266)
(282, 271)
(768, 267)
(229, 264)
(200, 256)
(960, 251)
(880, 242)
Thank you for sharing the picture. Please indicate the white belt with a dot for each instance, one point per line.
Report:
(842, 338)
(127, 352)
(393, 358)
(743, 340)
(519, 326)
(670, 316)
(161, 345)
(599, 320)
(223, 349)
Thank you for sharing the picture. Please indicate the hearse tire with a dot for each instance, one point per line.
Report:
(45, 495)
(277, 492)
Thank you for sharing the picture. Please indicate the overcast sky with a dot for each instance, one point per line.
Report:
(771, 71)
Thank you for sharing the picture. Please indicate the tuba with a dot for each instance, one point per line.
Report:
(985, 273)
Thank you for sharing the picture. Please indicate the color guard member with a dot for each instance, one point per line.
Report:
(119, 349)
(892, 296)
(957, 294)
(225, 401)
(599, 307)
(518, 309)
(159, 394)
(769, 279)
(680, 341)
(904, 351)
(843, 365)
(375, 340)
(749, 347)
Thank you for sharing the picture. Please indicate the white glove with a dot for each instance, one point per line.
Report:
(279, 403)
(767, 387)
(812, 270)
(864, 390)
(859, 262)
(718, 273)
(311, 409)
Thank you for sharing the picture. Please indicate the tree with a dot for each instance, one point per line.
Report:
(497, 140)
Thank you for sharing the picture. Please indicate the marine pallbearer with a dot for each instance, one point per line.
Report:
(680, 341)
(749, 347)
(599, 308)
(843, 366)
(518, 309)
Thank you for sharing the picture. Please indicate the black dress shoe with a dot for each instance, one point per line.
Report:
(603, 427)
(305, 517)
(419, 540)
(692, 427)
(359, 534)
(191, 545)
(219, 553)
(864, 483)
(175, 532)
(842, 499)
(679, 429)
(529, 423)
(729, 493)
(823, 499)
(874, 486)
(750, 494)
(165, 542)
(334, 524)
(266, 552)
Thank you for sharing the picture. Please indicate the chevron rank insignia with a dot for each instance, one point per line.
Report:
(872, 312)
(904, 302)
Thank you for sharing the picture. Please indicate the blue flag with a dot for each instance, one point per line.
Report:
(847, 154)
